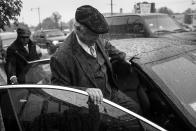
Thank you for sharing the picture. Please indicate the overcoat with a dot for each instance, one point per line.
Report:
(17, 58)
(70, 67)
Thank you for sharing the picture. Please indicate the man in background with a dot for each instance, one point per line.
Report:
(18, 54)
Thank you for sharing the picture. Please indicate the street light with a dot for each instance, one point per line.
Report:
(38, 9)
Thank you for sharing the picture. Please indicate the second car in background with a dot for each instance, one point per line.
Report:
(48, 38)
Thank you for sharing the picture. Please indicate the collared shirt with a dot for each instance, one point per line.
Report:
(85, 47)
(26, 47)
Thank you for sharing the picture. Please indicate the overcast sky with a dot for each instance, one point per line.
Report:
(67, 7)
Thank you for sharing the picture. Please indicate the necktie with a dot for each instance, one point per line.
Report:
(92, 51)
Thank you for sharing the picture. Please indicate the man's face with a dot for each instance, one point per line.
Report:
(87, 36)
(24, 40)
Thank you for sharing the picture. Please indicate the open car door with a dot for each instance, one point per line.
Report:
(57, 108)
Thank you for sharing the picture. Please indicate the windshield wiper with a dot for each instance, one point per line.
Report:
(163, 31)
(179, 30)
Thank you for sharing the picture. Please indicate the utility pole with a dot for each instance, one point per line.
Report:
(38, 9)
(111, 7)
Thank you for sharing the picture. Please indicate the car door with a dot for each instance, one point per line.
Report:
(56, 108)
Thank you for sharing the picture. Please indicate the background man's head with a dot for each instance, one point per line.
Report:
(23, 35)
(89, 24)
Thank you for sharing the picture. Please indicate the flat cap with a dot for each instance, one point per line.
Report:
(23, 31)
(92, 19)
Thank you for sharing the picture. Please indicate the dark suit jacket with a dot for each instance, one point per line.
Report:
(69, 65)
(17, 58)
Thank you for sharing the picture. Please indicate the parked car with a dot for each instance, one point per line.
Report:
(147, 25)
(6, 38)
(161, 77)
(48, 38)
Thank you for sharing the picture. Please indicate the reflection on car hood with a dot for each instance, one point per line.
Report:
(153, 49)
(56, 38)
(189, 36)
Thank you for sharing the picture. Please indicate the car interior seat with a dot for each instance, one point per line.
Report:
(128, 81)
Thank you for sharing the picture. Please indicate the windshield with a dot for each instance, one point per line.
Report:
(54, 33)
(179, 76)
(161, 23)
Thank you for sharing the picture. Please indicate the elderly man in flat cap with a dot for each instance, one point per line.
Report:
(18, 53)
(83, 60)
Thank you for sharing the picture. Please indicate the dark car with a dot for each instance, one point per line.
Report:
(37, 105)
(160, 76)
(48, 38)
(147, 25)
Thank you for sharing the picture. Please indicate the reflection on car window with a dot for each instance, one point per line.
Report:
(38, 73)
(130, 26)
(161, 22)
(54, 33)
(50, 109)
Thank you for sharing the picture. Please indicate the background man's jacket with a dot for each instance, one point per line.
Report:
(17, 58)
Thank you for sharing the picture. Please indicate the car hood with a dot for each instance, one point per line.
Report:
(56, 38)
(189, 36)
(150, 50)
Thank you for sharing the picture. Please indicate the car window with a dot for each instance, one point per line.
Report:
(36, 35)
(161, 22)
(38, 72)
(125, 26)
(54, 33)
(179, 77)
(135, 25)
(49, 109)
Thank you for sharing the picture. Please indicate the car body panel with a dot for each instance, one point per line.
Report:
(188, 36)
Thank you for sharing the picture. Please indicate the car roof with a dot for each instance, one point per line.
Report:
(8, 35)
(134, 14)
(153, 49)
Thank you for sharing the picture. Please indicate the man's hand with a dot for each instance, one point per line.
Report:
(95, 95)
(14, 80)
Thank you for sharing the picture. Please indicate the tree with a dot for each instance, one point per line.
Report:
(188, 11)
(9, 10)
(48, 23)
(13, 27)
(165, 10)
(56, 17)
(188, 18)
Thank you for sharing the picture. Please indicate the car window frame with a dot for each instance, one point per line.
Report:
(80, 92)
(111, 22)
